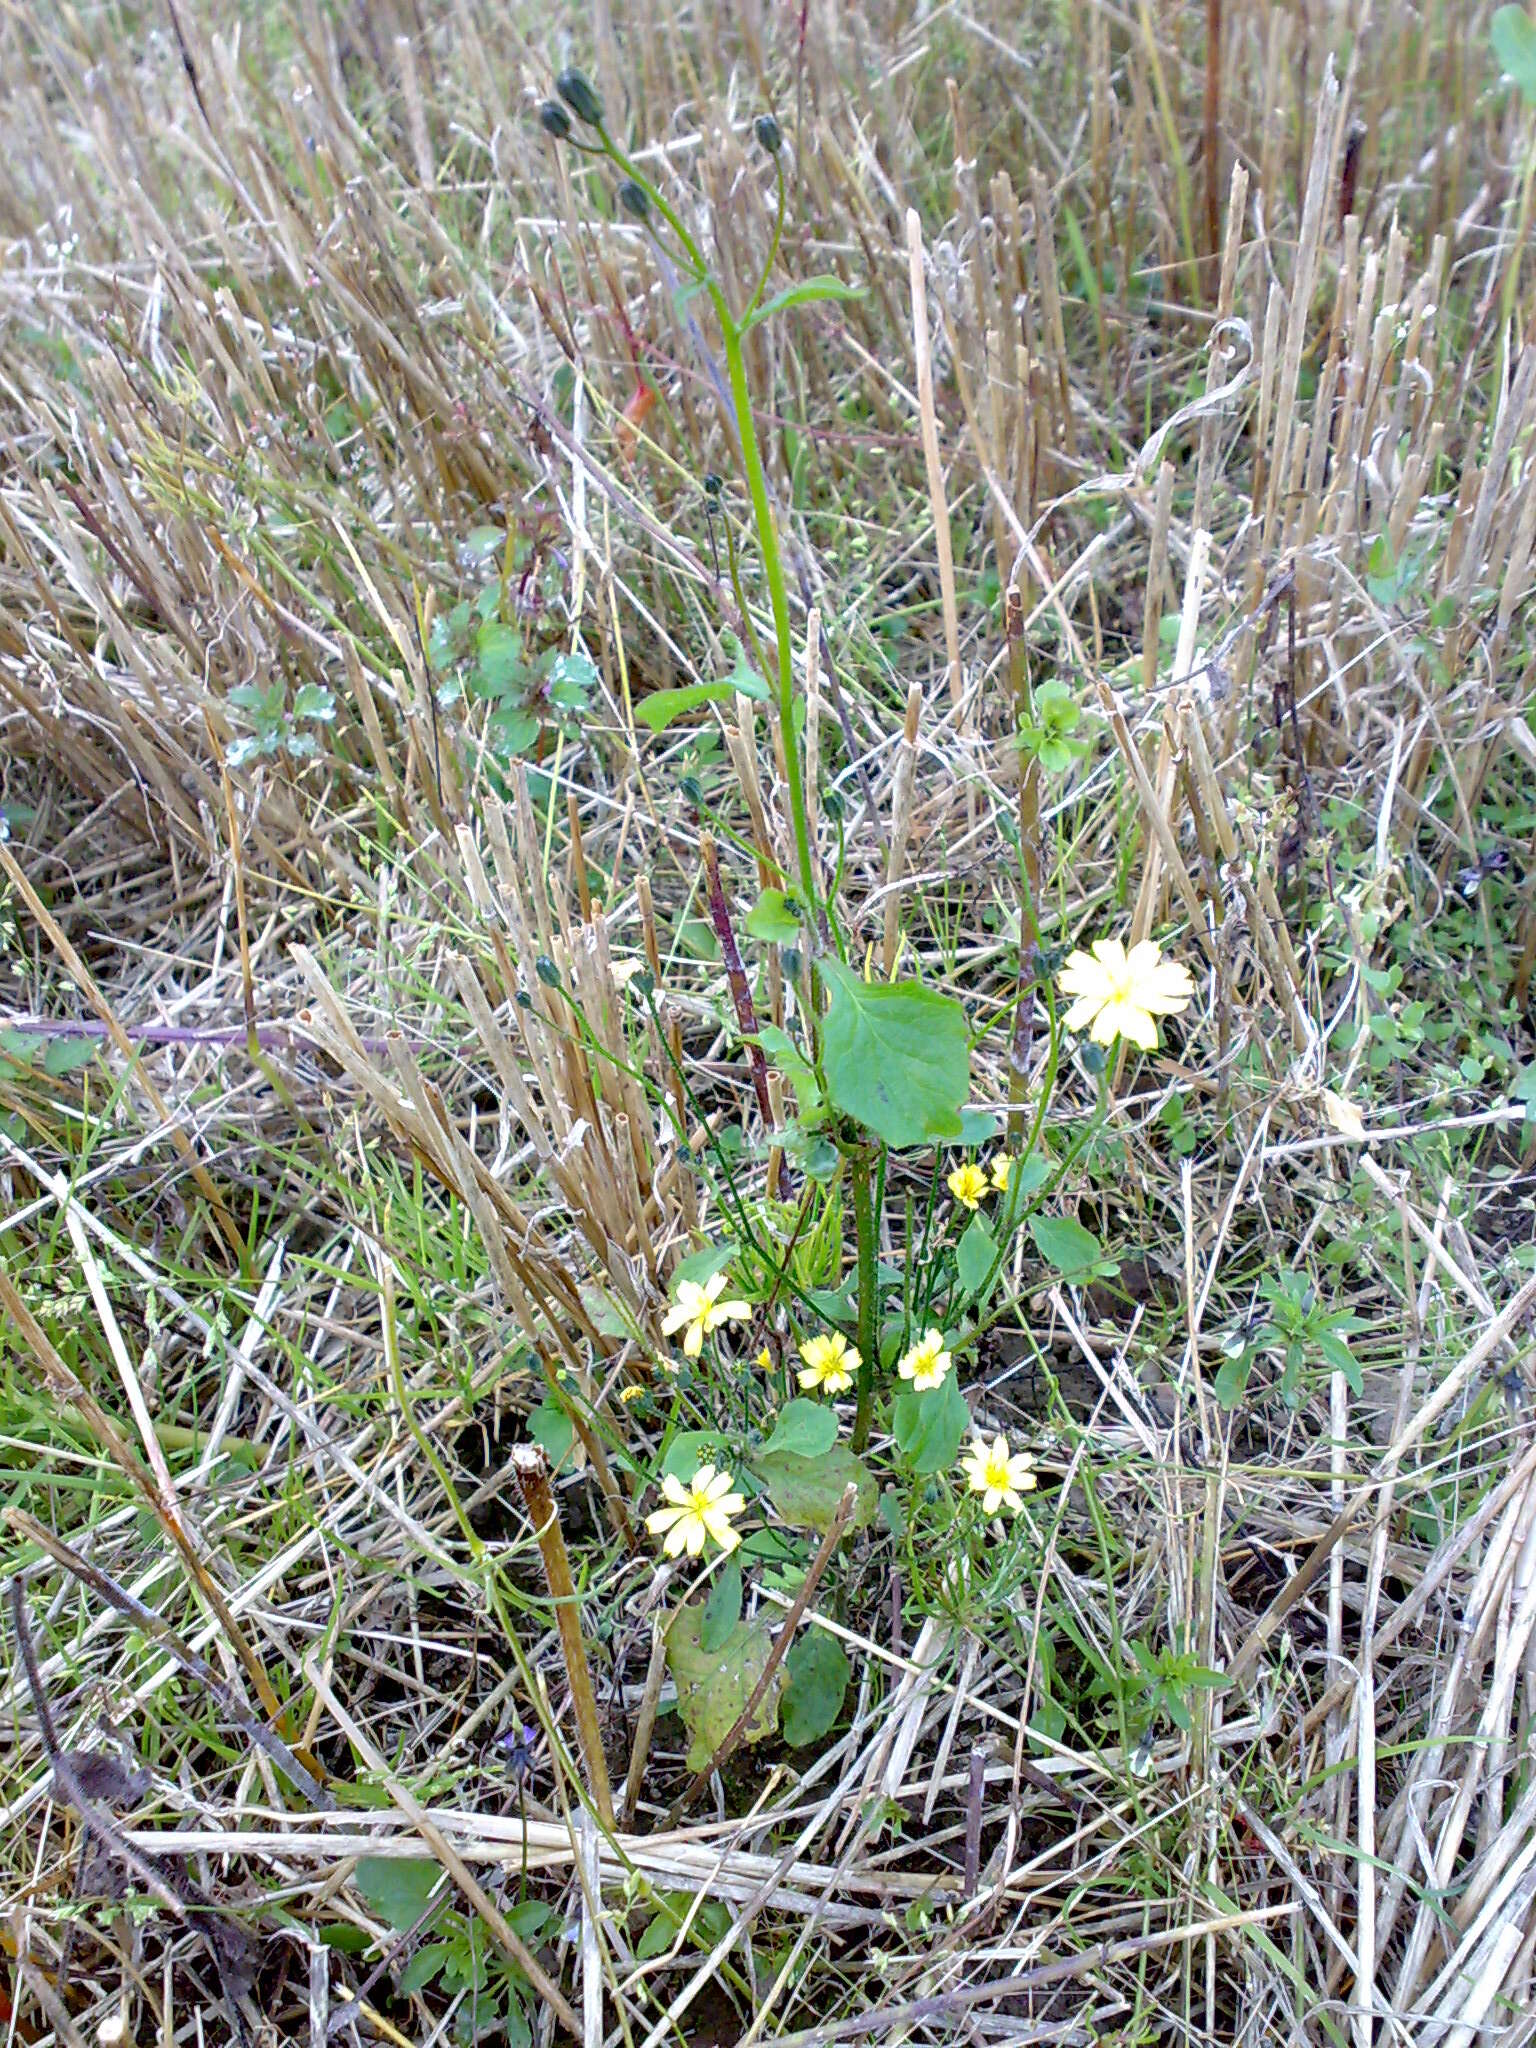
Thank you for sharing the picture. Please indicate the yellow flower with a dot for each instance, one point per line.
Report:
(765, 1360)
(927, 1364)
(1120, 994)
(697, 1513)
(830, 1364)
(1000, 1477)
(628, 1394)
(967, 1184)
(702, 1310)
(1002, 1169)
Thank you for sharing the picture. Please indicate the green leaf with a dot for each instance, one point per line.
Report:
(424, 1966)
(774, 918)
(664, 707)
(806, 293)
(1524, 1090)
(1074, 1252)
(818, 1680)
(978, 1127)
(1342, 1359)
(397, 1888)
(498, 658)
(974, 1255)
(24, 1046)
(804, 1428)
(896, 1057)
(722, 1610)
(929, 1428)
(572, 679)
(792, 1064)
(1232, 1380)
(704, 1265)
(314, 700)
(513, 731)
(713, 1686)
(552, 1430)
(687, 1451)
(808, 1491)
(1513, 36)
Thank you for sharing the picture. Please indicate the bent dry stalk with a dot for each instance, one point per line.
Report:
(532, 1470)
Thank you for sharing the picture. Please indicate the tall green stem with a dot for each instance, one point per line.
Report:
(773, 572)
(864, 1223)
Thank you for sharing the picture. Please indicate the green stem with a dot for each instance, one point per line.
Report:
(864, 1223)
(762, 507)
(773, 572)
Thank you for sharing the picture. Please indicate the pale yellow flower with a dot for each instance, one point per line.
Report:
(701, 1310)
(1002, 1170)
(1120, 994)
(697, 1513)
(967, 1184)
(998, 1475)
(765, 1360)
(927, 1364)
(830, 1364)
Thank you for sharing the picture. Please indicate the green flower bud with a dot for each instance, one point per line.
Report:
(632, 198)
(575, 88)
(767, 131)
(555, 120)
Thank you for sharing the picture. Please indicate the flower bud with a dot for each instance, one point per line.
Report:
(632, 197)
(767, 131)
(575, 88)
(555, 120)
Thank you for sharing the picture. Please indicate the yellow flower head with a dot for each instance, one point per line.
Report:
(998, 1475)
(967, 1184)
(631, 1393)
(830, 1364)
(765, 1360)
(701, 1310)
(1120, 994)
(927, 1364)
(1002, 1169)
(697, 1513)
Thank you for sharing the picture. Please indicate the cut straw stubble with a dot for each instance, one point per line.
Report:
(532, 1469)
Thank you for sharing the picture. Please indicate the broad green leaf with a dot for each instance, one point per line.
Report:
(974, 1254)
(722, 1610)
(424, 1966)
(704, 1265)
(713, 1686)
(818, 1679)
(896, 1056)
(774, 918)
(1074, 1252)
(1232, 1380)
(552, 1430)
(806, 293)
(688, 1451)
(314, 700)
(808, 1491)
(929, 1428)
(978, 1127)
(806, 1428)
(1513, 36)
(397, 1888)
(572, 679)
(26, 1045)
(498, 658)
